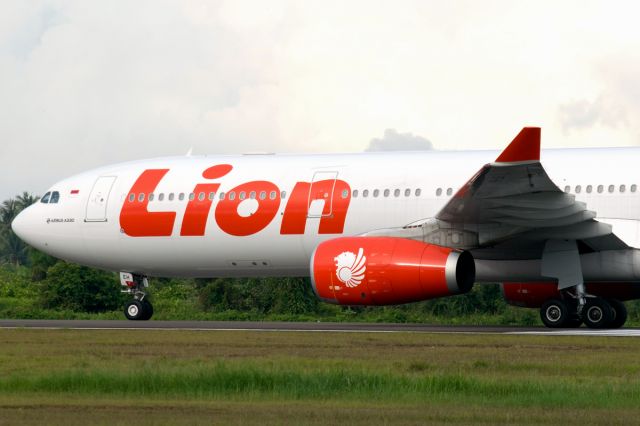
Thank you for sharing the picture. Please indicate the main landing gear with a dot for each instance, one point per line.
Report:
(139, 309)
(596, 312)
(561, 260)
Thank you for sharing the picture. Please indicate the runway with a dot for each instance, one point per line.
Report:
(305, 327)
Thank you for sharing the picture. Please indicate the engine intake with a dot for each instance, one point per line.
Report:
(388, 271)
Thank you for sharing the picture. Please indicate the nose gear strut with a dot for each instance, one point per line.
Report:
(140, 308)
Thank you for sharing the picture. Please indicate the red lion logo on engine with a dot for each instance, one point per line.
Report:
(350, 268)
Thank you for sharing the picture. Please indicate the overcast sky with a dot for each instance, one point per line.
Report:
(87, 83)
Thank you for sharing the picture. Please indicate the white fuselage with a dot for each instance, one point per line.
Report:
(85, 225)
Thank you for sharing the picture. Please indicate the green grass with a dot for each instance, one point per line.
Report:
(314, 378)
(255, 383)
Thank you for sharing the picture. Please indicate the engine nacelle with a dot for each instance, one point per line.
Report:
(388, 271)
(533, 295)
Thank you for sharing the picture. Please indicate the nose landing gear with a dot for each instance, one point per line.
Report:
(139, 309)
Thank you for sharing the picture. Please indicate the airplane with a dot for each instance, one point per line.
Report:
(369, 228)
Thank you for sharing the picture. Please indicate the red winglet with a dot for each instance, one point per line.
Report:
(524, 147)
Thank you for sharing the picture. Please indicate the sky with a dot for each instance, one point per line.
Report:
(89, 83)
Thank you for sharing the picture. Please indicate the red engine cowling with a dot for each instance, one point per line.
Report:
(533, 295)
(388, 271)
(530, 295)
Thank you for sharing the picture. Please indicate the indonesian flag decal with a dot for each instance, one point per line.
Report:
(350, 268)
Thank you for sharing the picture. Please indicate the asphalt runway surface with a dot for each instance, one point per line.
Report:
(304, 327)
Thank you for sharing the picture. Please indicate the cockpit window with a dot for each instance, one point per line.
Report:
(55, 197)
(45, 199)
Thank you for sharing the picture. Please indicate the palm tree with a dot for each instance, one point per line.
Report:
(12, 249)
(25, 199)
(9, 209)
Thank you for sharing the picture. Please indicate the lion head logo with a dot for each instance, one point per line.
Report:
(350, 267)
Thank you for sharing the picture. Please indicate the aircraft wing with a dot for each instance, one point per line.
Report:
(513, 202)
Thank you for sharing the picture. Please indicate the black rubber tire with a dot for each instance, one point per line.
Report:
(619, 313)
(597, 313)
(134, 310)
(554, 313)
(573, 322)
(147, 310)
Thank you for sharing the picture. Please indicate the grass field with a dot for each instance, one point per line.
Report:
(214, 377)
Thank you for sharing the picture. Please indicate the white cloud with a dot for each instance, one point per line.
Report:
(88, 83)
(394, 141)
(583, 114)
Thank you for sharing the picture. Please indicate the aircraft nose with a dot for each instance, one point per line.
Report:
(20, 225)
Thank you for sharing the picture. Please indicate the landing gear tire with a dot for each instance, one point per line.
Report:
(573, 322)
(148, 310)
(134, 310)
(597, 313)
(619, 313)
(554, 313)
(138, 310)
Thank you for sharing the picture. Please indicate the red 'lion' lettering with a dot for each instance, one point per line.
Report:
(232, 223)
(336, 195)
(194, 222)
(135, 219)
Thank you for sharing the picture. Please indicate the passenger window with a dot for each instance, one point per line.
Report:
(222, 195)
(55, 196)
(192, 196)
(376, 193)
(212, 196)
(386, 193)
(132, 197)
(396, 193)
(171, 196)
(345, 193)
(612, 188)
(567, 189)
(365, 193)
(46, 197)
(272, 195)
(263, 195)
(623, 188)
(449, 191)
(141, 197)
(438, 192)
(232, 195)
(161, 196)
(252, 195)
(201, 196)
(589, 189)
(418, 192)
(407, 192)
(578, 189)
(600, 189)
(283, 194)
(355, 193)
(242, 195)
(633, 188)
(151, 196)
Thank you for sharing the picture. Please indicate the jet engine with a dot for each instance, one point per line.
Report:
(388, 271)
